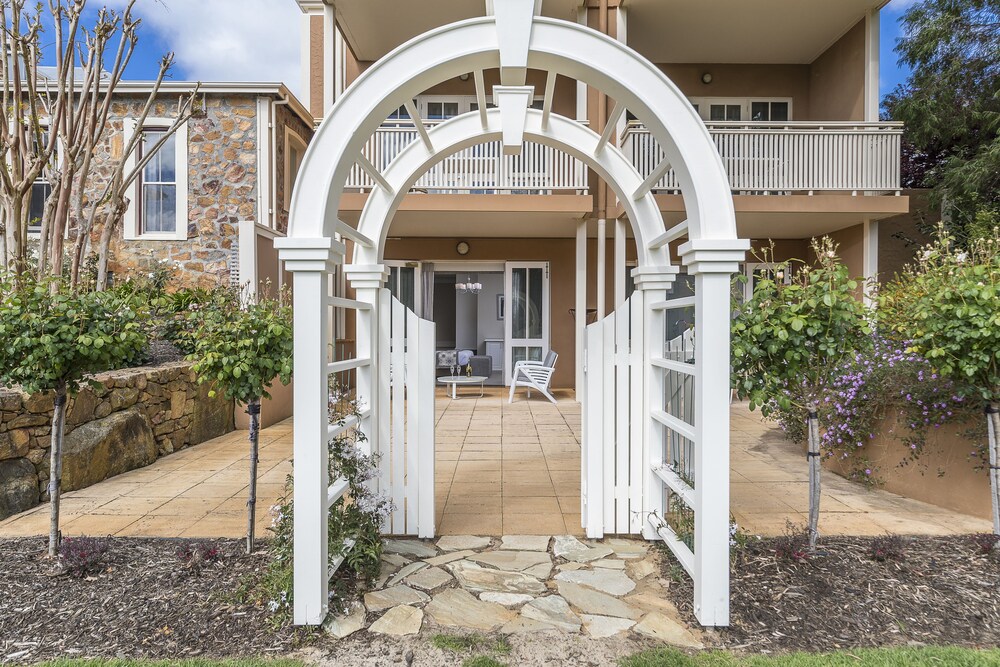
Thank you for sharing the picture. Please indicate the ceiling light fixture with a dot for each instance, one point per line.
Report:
(469, 287)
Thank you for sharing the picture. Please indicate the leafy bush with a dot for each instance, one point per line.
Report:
(947, 308)
(888, 547)
(793, 545)
(194, 556)
(80, 556)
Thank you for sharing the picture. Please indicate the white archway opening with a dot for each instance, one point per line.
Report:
(514, 40)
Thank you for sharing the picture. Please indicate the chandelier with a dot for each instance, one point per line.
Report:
(469, 287)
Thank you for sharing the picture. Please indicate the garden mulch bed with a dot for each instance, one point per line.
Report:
(144, 602)
(944, 592)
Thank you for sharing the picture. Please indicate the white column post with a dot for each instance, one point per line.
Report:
(870, 257)
(619, 262)
(580, 305)
(310, 261)
(602, 267)
(712, 263)
(367, 281)
(653, 282)
(872, 46)
(330, 55)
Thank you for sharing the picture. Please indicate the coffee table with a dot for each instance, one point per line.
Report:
(454, 380)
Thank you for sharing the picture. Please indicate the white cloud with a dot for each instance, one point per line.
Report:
(228, 40)
(899, 6)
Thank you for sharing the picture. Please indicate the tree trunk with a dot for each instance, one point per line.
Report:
(55, 466)
(253, 409)
(814, 472)
(993, 426)
(108, 231)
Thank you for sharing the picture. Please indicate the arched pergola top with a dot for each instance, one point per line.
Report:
(475, 45)
(556, 131)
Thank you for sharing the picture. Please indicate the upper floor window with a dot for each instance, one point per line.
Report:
(736, 109)
(158, 202)
(158, 191)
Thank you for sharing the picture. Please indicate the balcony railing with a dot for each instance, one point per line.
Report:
(785, 158)
(480, 169)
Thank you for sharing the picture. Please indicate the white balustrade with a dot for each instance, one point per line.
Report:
(479, 169)
(776, 158)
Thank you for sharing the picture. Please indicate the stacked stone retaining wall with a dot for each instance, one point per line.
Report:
(130, 419)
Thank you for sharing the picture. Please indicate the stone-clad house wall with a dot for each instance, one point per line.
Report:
(222, 189)
(135, 416)
(285, 120)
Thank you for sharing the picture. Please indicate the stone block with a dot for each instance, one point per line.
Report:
(27, 421)
(14, 444)
(10, 400)
(81, 407)
(178, 400)
(39, 404)
(18, 487)
(107, 447)
(212, 417)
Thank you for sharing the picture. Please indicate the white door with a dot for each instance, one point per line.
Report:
(528, 313)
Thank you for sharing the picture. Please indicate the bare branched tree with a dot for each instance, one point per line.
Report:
(65, 116)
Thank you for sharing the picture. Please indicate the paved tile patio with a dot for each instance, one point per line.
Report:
(501, 469)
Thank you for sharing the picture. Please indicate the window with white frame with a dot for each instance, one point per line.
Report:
(295, 150)
(158, 206)
(743, 109)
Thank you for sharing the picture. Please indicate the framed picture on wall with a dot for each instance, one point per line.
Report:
(500, 306)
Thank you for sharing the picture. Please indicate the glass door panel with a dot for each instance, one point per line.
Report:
(526, 328)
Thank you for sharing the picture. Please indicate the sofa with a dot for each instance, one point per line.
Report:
(445, 359)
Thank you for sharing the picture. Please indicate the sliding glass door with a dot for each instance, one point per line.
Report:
(526, 320)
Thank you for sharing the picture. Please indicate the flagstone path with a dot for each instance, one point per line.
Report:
(518, 584)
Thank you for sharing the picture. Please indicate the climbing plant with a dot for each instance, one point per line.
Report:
(790, 338)
(53, 339)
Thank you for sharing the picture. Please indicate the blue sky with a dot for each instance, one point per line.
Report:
(241, 40)
(892, 74)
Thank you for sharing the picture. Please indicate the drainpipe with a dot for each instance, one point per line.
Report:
(273, 139)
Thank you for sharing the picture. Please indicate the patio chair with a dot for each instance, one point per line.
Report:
(534, 375)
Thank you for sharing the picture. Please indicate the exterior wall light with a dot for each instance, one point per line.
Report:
(706, 78)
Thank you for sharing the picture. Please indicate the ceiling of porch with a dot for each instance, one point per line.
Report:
(668, 31)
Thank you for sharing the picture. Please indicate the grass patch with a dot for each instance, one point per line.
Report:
(482, 661)
(193, 662)
(469, 643)
(887, 657)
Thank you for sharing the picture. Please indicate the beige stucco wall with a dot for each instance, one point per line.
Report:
(942, 475)
(837, 79)
(900, 237)
(851, 248)
(766, 81)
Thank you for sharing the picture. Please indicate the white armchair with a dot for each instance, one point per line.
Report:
(534, 375)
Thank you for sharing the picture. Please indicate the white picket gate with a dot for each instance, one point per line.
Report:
(406, 429)
(611, 484)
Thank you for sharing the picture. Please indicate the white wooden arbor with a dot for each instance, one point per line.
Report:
(514, 38)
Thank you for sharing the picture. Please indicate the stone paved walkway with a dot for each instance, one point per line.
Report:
(518, 584)
(501, 469)
(508, 467)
